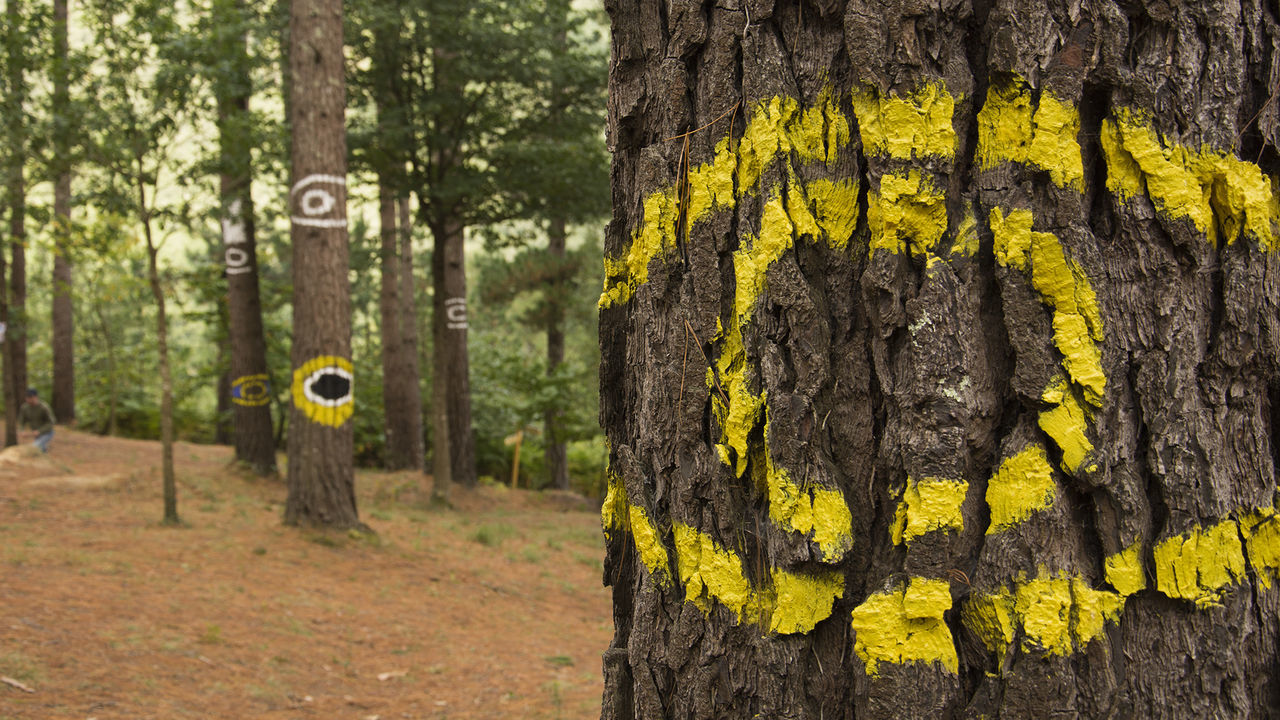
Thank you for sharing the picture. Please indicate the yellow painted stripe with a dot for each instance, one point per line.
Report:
(906, 625)
(1219, 193)
(1199, 564)
(778, 128)
(906, 212)
(915, 125)
(929, 505)
(618, 514)
(1013, 127)
(1022, 485)
(1057, 614)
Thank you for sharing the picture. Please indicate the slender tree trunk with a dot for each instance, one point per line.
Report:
(400, 391)
(940, 353)
(556, 457)
(166, 374)
(17, 142)
(63, 397)
(6, 373)
(113, 394)
(409, 335)
(250, 384)
(321, 471)
(451, 364)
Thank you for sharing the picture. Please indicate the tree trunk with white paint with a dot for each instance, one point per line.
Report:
(250, 379)
(452, 411)
(321, 470)
(941, 360)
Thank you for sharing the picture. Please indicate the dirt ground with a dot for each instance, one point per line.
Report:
(493, 609)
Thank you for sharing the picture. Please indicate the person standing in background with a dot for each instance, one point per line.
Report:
(35, 414)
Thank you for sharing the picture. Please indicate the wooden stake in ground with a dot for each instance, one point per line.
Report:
(321, 473)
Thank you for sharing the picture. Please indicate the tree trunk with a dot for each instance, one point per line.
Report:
(556, 457)
(14, 347)
(250, 384)
(169, 480)
(409, 335)
(321, 470)
(941, 346)
(63, 397)
(449, 323)
(403, 417)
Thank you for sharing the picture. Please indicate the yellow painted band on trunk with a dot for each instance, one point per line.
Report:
(1124, 572)
(906, 212)
(1222, 195)
(906, 625)
(1022, 485)
(915, 125)
(778, 128)
(1012, 127)
(1197, 565)
(1057, 614)
(928, 505)
(1261, 531)
(1067, 425)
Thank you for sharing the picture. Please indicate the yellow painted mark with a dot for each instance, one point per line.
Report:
(906, 212)
(712, 572)
(967, 241)
(927, 505)
(802, 601)
(831, 207)
(915, 125)
(1013, 128)
(787, 603)
(1057, 614)
(323, 388)
(1197, 565)
(251, 390)
(1124, 572)
(613, 514)
(1261, 531)
(1222, 195)
(1077, 321)
(619, 514)
(906, 625)
(1067, 424)
(820, 511)
(779, 128)
(1022, 485)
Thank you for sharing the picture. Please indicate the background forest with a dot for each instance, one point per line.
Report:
(129, 98)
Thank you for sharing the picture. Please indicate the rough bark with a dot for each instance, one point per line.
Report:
(250, 379)
(940, 354)
(557, 457)
(63, 397)
(321, 441)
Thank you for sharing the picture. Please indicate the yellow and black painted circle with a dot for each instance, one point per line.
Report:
(323, 389)
(251, 390)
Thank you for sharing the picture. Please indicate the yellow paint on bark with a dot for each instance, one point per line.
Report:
(967, 241)
(1057, 614)
(1222, 195)
(779, 128)
(906, 625)
(613, 514)
(906, 212)
(802, 601)
(915, 125)
(928, 505)
(1012, 127)
(1062, 284)
(1022, 485)
(1067, 424)
(1261, 531)
(1197, 565)
(814, 510)
(1124, 572)
(648, 543)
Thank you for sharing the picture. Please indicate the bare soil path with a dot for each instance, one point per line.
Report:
(493, 609)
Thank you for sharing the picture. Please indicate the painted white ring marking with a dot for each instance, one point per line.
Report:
(325, 402)
(317, 201)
